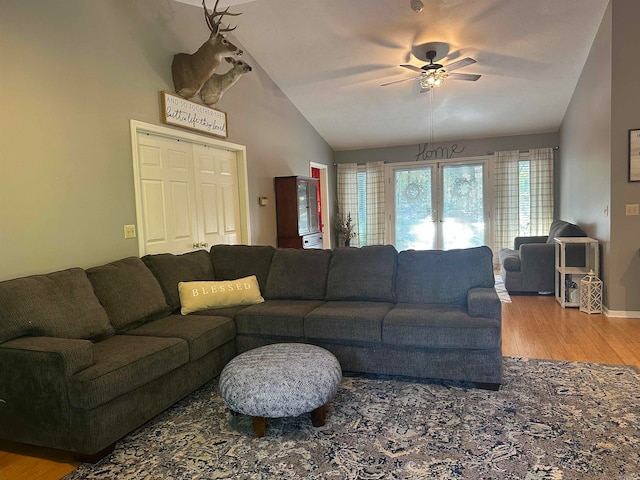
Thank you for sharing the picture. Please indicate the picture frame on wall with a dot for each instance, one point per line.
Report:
(634, 155)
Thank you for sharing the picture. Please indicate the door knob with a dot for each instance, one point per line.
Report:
(200, 244)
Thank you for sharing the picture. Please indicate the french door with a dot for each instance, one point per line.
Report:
(437, 205)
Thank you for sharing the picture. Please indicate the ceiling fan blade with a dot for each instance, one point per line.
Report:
(464, 76)
(459, 64)
(412, 67)
(398, 81)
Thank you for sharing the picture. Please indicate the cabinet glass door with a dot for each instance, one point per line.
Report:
(314, 217)
(303, 208)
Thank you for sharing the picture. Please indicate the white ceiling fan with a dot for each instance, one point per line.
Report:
(434, 74)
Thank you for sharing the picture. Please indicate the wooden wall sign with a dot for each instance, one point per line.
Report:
(194, 116)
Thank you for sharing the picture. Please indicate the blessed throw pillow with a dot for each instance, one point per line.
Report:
(196, 296)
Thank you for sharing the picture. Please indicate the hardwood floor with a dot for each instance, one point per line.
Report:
(533, 327)
(24, 462)
(536, 327)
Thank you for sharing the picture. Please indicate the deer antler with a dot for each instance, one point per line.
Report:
(210, 18)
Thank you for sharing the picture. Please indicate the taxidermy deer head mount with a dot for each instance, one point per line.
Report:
(190, 71)
(214, 88)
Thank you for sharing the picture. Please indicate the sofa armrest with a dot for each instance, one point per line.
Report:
(484, 302)
(61, 356)
(526, 240)
(35, 374)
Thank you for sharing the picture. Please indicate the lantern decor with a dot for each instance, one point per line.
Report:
(591, 293)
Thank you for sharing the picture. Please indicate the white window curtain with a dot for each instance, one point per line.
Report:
(347, 191)
(375, 203)
(541, 190)
(506, 208)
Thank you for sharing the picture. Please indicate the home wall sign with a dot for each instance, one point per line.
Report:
(634, 155)
(194, 116)
(425, 153)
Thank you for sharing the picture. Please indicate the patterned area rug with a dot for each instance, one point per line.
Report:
(501, 291)
(550, 420)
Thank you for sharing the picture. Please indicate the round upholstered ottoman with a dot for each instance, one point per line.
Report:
(281, 380)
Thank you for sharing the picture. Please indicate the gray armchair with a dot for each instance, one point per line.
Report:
(530, 265)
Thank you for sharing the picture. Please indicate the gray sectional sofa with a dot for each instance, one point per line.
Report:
(86, 356)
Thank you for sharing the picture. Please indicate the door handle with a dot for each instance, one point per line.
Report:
(200, 245)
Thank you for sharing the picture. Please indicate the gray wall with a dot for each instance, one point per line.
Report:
(594, 140)
(453, 149)
(73, 74)
(585, 135)
(624, 260)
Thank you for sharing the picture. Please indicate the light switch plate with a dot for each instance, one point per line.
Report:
(632, 209)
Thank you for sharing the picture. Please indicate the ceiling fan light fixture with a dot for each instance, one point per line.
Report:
(416, 5)
(433, 78)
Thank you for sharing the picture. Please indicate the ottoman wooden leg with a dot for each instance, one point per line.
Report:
(259, 426)
(319, 415)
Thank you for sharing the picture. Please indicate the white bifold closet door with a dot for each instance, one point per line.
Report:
(188, 195)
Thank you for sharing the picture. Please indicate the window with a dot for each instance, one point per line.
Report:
(523, 198)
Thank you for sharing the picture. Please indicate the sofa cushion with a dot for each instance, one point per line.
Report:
(60, 304)
(129, 293)
(353, 321)
(366, 273)
(561, 228)
(237, 261)
(437, 276)
(195, 296)
(439, 326)
(202, 333)
(298, 274)
(122, 364)
(280, 318)
(170, 269)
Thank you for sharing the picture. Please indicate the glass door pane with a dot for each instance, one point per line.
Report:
(303, 208)
(312, 207)
(462, 206)
(414, 213)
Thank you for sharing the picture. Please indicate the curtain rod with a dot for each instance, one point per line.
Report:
(525, 151)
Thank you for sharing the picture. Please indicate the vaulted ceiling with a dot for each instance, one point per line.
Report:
(330, 57)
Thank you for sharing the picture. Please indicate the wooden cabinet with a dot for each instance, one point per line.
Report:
(297, 211)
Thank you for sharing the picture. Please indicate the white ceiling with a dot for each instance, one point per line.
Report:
(329, 57)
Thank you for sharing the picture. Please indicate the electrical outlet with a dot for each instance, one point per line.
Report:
(129, 231)
(632, 209)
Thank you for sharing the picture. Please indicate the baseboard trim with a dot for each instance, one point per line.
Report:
(621, 313)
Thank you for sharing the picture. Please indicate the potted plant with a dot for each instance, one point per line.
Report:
(345, 227)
